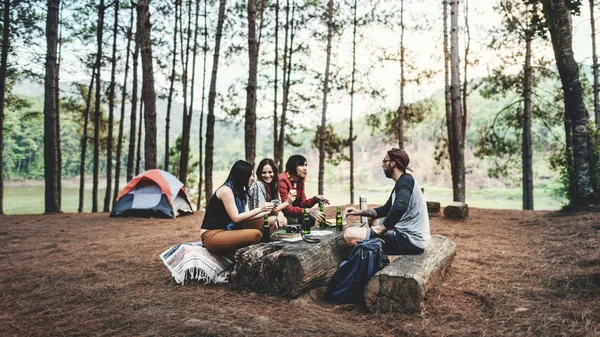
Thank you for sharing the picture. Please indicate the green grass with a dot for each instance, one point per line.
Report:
(30, 199)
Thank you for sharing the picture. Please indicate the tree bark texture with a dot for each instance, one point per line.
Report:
(351, 127)
(287, 67)
(401, 109)
(149, 94)
(185, 134)
(456, 142)
(50, 111)
(171, 90)
(200, 147)
(401, 287)
(111, 111)
(250, 118)
(138, 157)
(3, 72)
(325, 92)
(97, 111)
(447, 96)
(288, 269)
(595, 65)
(84, 139)
(276, 155)
(457, 211)
(576, 115)
(527, 153)
(133, 116)
(57, 99)
(123, 100)
(210, 119)
(465, 68)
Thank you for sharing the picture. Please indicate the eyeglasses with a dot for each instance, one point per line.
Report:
(386, 161)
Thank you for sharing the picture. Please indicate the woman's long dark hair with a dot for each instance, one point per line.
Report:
(273, 190)
(239, 176)
(293, 162)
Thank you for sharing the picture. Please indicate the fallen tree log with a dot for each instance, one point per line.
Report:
(288, 269)
(457, 211)
(402, 285)
(433, 207)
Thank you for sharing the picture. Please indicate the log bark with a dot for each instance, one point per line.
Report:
(433, 207)
(401, 287)
(288, 269)
(457, 211)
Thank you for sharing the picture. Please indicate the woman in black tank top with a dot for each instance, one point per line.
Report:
(226, 225)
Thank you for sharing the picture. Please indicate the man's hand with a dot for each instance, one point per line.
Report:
(321, 199)
(319, 216)
(353, 211)
(379, 230)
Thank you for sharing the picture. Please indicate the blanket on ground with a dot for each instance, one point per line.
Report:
(192, 262)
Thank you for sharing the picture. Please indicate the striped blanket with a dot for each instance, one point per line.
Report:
(192, 262)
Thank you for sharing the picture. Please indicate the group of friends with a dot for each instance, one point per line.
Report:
(234, 214)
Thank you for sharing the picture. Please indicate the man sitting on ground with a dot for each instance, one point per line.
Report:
(403, 222)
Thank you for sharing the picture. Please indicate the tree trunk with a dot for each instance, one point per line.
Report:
(84, 139)
(250, 119)
(138, 157)
(527, 154)
(200, 148)
(595, 66)
(185, 57)
(123, 100)
(286, 49)
(133, 116)
(447, 98)
(465, 67)
(576, 115)
(97, 112)
(351, 128)
(50, 109)
(111, 113)
(171, 89)
(3, 71)
(276, 154)
(325, 92)
(210, 120)
(58, 143)
(456, 143)
(401, 108)
(148, 93)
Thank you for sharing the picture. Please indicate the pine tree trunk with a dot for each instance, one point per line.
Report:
(447, 98)
(132, 118)
(457, 159)
(286, 86)
(84, 139)
(595, 66)
(148, 92)
(527, 154)
(111, 112)
(50, 109)
(200, 147)
(3, 71)
(212, 94)
(401, 109)
(250, 118)
(171, 89)
(138, 157)
(276, 154)
(123, 100)
(185, 137)
(576, 115)
(286, 49)
(325, 92)
(351, 128)
(465, 67)
(58, 137)
(97, 111)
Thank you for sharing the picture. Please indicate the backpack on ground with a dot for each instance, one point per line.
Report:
(347, 285)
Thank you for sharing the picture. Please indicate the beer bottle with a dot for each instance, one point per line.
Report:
(338, 220)
(322, 224)
(305, 223)
(265, 230)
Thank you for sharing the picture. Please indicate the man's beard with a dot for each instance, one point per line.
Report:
(388, 172)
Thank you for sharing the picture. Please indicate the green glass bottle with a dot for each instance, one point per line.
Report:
(306, 223)
(338, 220)
(265, 230)
(322, 224)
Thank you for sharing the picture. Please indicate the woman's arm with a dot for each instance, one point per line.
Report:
(226, 195)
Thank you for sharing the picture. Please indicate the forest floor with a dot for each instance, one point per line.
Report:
(516, 273)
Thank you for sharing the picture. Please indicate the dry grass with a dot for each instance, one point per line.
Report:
(516, 273)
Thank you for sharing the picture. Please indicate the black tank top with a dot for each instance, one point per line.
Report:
(216, 216)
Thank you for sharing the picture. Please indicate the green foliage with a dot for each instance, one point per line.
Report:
(334, 145)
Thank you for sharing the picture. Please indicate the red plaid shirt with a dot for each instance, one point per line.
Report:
(285, 185)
